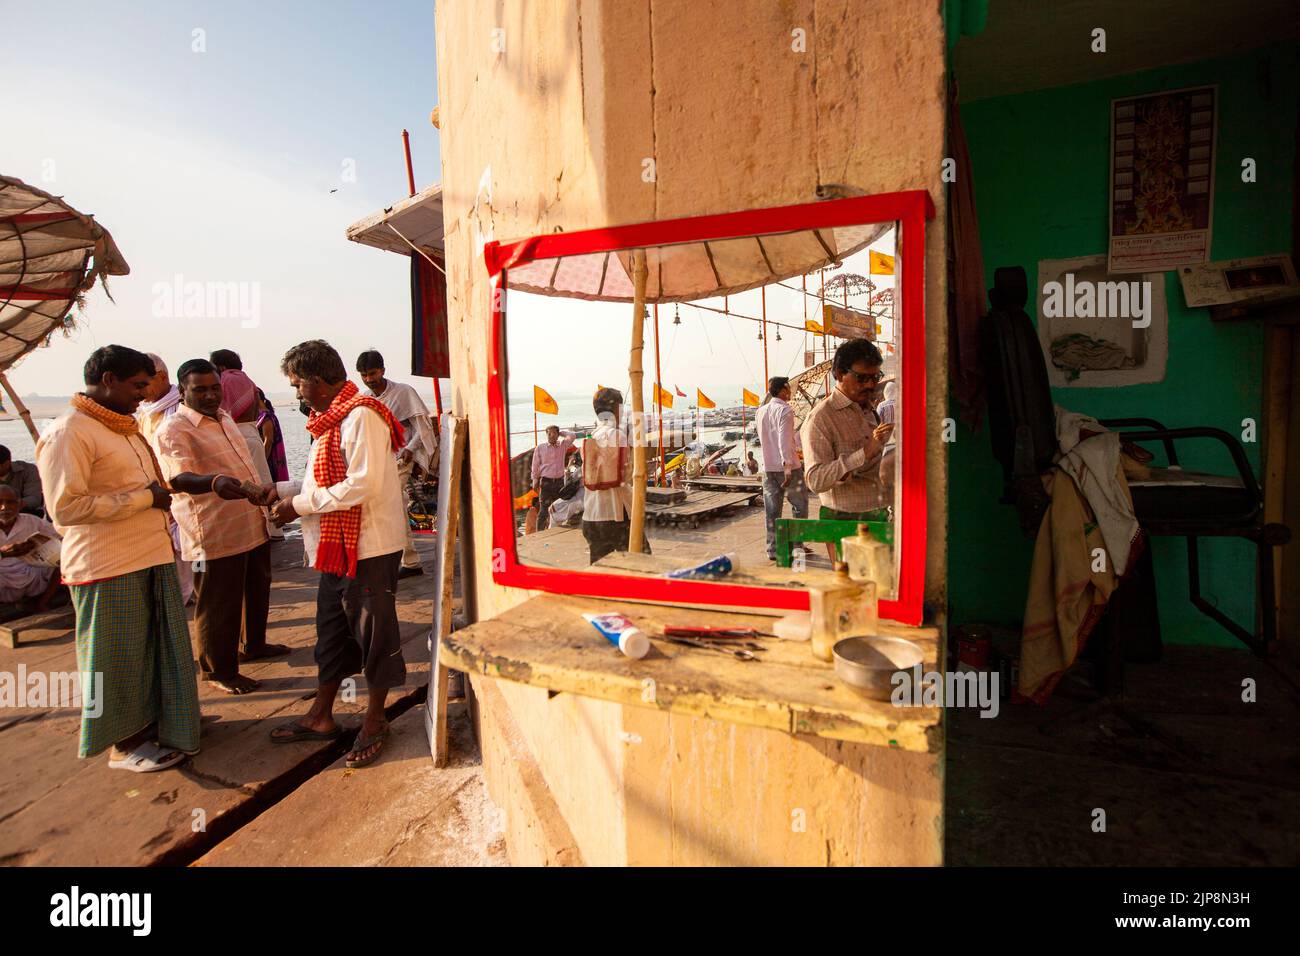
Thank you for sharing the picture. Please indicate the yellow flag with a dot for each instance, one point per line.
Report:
(813, 326)
(663, 397)
(750, 399)
(703, 400)
(542, 402)
(881, 264)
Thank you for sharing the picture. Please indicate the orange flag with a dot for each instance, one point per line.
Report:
(703, 400)
(663, 396)
(750, 399)
(542, 402)
(881, 264)
(815, 327)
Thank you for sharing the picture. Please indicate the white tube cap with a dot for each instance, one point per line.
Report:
(634, 644)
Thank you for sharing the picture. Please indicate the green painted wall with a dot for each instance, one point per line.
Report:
(1041, 171)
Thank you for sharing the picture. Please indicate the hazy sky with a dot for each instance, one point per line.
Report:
(568, 346)
(217, 166)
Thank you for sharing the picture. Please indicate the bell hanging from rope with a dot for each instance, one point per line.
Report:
(760, 333)
(677, 315)
(778, 333)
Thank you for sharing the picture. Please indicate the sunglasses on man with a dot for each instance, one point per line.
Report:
(864, 377)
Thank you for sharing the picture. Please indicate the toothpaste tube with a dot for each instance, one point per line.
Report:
(712, 568)
(622, 633)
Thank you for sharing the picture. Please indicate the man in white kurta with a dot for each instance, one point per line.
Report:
(160, 403)
(353, 530)
(420, 448)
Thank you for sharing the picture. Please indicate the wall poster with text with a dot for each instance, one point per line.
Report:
(1161, 179)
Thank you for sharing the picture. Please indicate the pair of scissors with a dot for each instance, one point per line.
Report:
(740, 653)
(716, 633)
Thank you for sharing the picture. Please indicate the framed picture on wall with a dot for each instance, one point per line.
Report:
(1161, 196)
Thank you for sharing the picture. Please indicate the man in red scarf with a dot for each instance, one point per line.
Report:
(354, 530)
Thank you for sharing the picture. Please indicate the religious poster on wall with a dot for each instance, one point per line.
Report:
(1161, 179)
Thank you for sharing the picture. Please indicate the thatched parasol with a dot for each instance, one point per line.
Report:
(50, 256)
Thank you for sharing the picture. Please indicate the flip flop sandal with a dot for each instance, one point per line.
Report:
(302, 733)
(365, 743)
(148, 758)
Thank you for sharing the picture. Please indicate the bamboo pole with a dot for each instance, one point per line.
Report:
(639, 274)
(659, 402)
(23, 411)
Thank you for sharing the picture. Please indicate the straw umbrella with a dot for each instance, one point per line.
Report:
(50, 257)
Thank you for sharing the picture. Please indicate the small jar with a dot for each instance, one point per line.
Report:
(844, 608)
(869, 559)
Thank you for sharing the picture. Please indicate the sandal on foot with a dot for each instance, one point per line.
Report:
(299, 732)
(365, 743)
(267, 650)
(148, 758)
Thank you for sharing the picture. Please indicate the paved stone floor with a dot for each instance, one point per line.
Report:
(58, 810)
(740, 530)
(1187, 773)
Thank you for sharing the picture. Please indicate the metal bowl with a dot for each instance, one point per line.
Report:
(868, 664)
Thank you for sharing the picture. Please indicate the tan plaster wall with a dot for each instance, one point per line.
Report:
(734, 119)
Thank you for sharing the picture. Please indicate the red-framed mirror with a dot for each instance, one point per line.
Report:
(808, 278)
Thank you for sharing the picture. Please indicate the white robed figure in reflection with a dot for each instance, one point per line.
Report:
(421, 446)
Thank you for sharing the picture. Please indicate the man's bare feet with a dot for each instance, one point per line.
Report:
(235, 686)
(265, 651)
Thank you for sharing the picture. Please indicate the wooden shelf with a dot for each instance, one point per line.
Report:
(544, 642)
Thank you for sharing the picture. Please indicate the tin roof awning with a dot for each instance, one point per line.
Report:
(50, 255)
(414, 221)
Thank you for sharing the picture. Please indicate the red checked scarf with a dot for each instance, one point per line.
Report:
(340, 530)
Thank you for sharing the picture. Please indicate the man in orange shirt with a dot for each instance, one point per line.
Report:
(222, 529)
(104, 492)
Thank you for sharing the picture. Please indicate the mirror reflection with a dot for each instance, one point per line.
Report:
(740, 431)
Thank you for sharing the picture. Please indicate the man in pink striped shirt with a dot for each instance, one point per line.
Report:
(548, 471)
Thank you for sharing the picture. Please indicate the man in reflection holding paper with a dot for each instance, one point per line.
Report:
(607, 480)
(844, 442)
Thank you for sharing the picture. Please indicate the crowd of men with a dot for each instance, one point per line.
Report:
(159, 493)
(842, 453)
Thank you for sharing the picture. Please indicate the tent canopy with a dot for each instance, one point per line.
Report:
(50, 255)
(702, 269)
(418, 218)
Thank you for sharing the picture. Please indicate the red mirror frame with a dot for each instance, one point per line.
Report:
(910, 210)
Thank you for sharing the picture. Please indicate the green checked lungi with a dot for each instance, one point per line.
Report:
(830, 514)
(132, 629)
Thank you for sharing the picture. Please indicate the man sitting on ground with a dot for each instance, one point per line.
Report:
(25, 481)
(19, 579)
